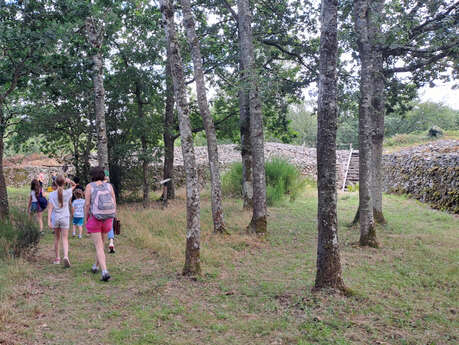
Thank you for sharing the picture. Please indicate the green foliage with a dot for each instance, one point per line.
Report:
(282, 179)
(353, 187)
(304, 122)
(18, 235)
(421, 118)
(232, 181)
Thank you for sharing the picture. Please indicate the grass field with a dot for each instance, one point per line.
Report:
(252, 291)
(401, 141)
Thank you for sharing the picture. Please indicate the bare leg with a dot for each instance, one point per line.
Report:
(65, 242)
(40, 220)
(80, 231)
(98, 240)
(57, 238)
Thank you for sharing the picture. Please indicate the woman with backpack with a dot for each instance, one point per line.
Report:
(37, 202)
(100, 209)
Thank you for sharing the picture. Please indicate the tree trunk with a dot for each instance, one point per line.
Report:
(246, 149)
(367, 226)
(258, 224)
(86, 164)
(377, 142)
(378, 109)
(212, 147)
(192, 256)
(95, 40)
(328, 256)
(143, 141)
(169, 139)
(4, 208)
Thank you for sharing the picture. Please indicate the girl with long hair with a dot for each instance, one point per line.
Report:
(34, 207)
(59, 217)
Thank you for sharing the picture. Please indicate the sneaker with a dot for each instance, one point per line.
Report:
(66, 262)
(111, 249)
(73, 235)
(57, 262)
(79, 236)
(94, 269)
(105, 277)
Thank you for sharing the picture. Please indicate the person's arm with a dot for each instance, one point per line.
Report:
(71, 182)
(29, 204)
(87, 203)
(50, 211)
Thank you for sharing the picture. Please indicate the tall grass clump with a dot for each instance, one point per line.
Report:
(19, 236)
(282, 179)
(232, 181)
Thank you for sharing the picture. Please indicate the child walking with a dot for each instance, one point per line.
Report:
(78, 212)
(59, 217)
(34, 206)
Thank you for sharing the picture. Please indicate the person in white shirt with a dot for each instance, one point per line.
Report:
(60, 220)
(34, 206)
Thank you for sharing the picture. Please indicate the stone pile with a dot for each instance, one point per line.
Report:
(304, 158)
(429, 173)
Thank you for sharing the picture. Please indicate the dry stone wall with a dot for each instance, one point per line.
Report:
(429, 173)
(20, 176)
(304, 158)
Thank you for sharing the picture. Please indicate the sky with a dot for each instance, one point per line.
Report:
(441, 93)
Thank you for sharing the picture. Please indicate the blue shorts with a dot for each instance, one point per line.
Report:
(78, 221)
(35, 208)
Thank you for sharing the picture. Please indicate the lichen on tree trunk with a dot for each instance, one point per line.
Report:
(258, 223)
(193, 232)
(169, 139)
(95, 39)
(328, 255)
(246, 148)
(4, 208)
(378, 110)
(211, 136)
(367, 230)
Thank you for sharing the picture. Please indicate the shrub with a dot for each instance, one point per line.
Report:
(282, 179)
(232, 181)
(19, 236)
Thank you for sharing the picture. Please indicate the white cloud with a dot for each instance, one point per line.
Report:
(442, 93)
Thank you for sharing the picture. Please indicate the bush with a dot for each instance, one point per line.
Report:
(282, 179)
(19, 236)
(232, 181)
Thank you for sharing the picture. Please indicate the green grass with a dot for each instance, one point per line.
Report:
(252, 291)
(400, 141)
(282, 179)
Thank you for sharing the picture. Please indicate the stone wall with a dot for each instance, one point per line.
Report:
(304, 158)
(20, 176)
(429, 173)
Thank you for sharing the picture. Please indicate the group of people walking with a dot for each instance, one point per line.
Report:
(94, 206)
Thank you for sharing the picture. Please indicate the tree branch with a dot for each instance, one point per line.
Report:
(231, 11)
(200, 129)
(413, 67)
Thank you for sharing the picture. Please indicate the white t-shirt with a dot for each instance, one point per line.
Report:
(61, 212)
(78, 205)
(34, 197)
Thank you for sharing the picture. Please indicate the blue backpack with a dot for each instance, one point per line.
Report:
(42, 202)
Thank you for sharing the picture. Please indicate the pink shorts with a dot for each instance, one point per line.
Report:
(93, 225)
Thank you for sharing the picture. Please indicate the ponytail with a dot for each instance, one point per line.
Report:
(35, 186)
(60, 180)
(60, 196)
